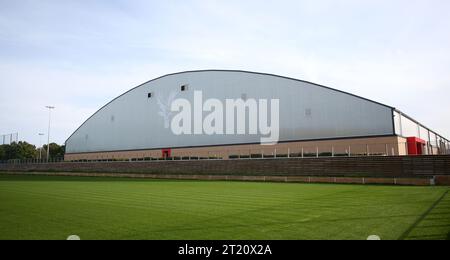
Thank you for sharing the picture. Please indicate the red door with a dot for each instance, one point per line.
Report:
(415, 146)
(166, 153)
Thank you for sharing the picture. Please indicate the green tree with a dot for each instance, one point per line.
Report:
(20, 151)
(25, 151)
(2, 153)
(56, 151)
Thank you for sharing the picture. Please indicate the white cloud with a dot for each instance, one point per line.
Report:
(395, 52)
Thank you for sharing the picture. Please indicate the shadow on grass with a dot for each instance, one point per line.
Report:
(440, 223)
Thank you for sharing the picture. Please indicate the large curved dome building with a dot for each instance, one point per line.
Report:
(312, 120)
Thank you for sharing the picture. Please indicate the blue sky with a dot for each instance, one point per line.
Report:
(78, 55)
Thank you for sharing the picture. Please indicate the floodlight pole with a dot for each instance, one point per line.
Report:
(40, 146)
(48, 134)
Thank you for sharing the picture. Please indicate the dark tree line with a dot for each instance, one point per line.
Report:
(25, 151)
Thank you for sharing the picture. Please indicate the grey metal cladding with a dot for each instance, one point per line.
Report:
(307, 112)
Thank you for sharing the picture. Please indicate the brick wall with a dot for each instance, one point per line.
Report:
(399, 167)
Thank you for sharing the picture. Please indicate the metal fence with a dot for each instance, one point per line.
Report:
(265, 152)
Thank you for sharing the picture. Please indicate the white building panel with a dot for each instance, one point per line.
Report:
(307, 112)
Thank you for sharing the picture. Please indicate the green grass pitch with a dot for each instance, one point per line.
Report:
(105, 208)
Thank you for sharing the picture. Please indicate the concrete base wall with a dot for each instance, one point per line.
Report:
(423, 181)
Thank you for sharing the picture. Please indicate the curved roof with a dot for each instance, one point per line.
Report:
(238, 71)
